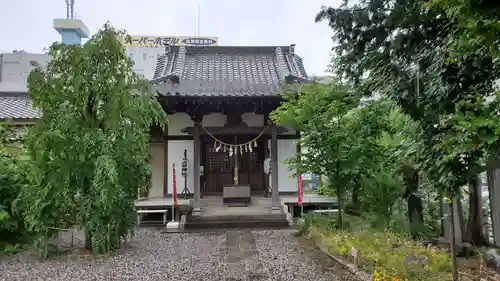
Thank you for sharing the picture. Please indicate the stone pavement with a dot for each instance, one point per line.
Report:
(231, 255)
(241, 260)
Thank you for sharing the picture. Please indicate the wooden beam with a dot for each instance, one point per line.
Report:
(235, 130)
(258, 105)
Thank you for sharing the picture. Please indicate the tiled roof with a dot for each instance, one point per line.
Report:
(202, 71)
(226, 71)
(16, 106)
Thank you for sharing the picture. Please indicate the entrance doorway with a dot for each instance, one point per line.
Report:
(219, 166)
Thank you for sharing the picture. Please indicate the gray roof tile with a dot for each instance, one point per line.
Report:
(16, 106)
(226, 71)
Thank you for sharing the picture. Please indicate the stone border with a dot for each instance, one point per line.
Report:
(361, 274)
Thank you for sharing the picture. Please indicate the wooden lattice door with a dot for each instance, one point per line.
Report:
(250, 166)
(219, 166)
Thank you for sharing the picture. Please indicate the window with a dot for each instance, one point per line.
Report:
(144, 56)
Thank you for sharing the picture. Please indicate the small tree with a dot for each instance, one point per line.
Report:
(12, 180)
(89, 149)
(321, 113)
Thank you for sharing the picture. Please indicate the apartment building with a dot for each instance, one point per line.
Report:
(15, 68)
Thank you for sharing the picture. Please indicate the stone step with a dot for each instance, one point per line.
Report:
(239, 217)
(232, 224)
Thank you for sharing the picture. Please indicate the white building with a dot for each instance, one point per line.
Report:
(15, 68)
(143, 50)
(144, 59)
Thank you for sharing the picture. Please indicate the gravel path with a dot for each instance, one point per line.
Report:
(232, 255)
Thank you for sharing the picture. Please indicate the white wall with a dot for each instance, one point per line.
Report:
(286, 149)
(175, 155)
(158, 169)
(177, 122)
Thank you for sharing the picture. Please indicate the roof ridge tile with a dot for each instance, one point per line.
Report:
(282, 68)
(180, 59)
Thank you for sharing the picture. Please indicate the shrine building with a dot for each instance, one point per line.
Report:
(218, 101)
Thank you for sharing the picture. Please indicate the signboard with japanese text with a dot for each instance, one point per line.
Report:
(160, 41)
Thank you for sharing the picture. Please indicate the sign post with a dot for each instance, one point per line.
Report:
(184, 172)
(173, 224)
(313, 181)
(174, 194)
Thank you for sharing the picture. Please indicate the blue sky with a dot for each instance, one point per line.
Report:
(27, 24)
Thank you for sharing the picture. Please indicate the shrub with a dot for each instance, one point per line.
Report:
(385, 253)
(12, 179)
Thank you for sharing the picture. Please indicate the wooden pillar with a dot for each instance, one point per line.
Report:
(274, 168)
(196, 168)
(265, 144)
(166, 165)
(493, 174)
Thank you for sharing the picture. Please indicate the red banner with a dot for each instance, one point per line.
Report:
(300, 190)
(174, 188)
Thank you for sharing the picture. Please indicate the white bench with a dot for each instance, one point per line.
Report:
(144, 211)
(326, 211)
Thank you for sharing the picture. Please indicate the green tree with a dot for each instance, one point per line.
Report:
(474, 25)
(89, 150)
(377, 165)
(321, 112)
(474, 125)
(392, 143)
(12, 180)
(428, 58)
(345, 142)
(401, 49)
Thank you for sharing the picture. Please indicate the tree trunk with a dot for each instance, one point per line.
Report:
(453, 244)
(340, 203)
(441, 215)
(474, 233)
(88, 240)
(355, 198)
(415, 206)
(415, 209)
(460, 210)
